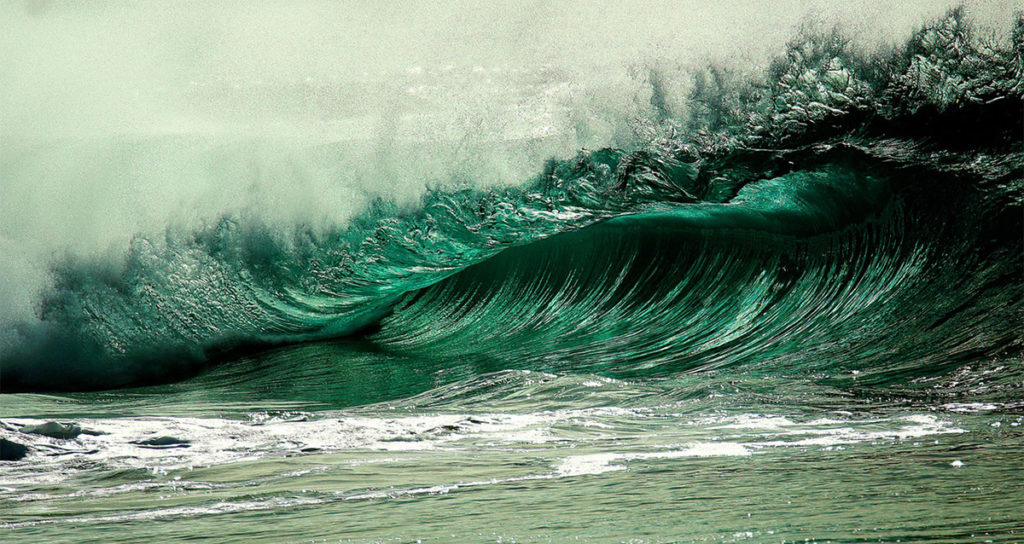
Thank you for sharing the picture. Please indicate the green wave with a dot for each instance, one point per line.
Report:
(770, 284)
(845, 213)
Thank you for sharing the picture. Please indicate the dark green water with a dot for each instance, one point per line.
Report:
(796, 317)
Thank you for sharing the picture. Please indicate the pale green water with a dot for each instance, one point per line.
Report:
(527, 457)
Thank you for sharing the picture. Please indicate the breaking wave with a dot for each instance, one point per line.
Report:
(841, 212)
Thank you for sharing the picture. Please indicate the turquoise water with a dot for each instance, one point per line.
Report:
(792, 313)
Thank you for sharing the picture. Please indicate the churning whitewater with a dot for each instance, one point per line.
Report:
(792, 292)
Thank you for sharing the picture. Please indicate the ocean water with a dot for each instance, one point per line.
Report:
(769, 292)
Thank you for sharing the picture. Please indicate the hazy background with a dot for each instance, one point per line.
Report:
(72, 67)
(123, 118)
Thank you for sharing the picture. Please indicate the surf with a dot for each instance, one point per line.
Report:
(794, 221)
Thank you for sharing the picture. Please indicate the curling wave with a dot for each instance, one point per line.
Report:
(847, 213)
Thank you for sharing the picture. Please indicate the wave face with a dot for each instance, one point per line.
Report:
(847, 213)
